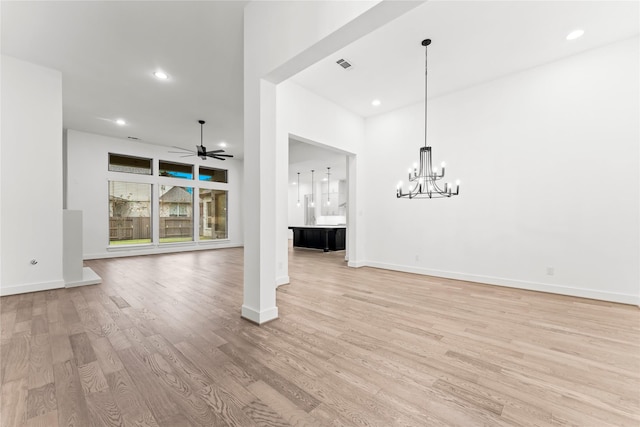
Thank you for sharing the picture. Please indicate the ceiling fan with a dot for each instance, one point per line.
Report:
(201, 150)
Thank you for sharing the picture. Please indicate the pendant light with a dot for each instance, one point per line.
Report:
(298, 189)
(423, 181)
(313, 199)
(328, 181)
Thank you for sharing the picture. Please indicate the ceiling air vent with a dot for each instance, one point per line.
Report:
(344, 63)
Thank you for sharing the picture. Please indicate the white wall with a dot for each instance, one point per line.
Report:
(549, 163)
(31, 183)
(87, 190)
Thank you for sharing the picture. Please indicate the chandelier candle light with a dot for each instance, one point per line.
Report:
(423, 181)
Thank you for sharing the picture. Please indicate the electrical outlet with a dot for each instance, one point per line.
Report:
(550, 271)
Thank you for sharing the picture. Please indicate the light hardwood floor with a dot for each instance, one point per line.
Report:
(161, 343)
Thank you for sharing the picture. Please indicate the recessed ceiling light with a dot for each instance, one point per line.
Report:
(575, 34)
(161, 75)
(121, 122)
(222, 144)
(376, 102)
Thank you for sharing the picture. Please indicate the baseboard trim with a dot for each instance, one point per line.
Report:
(283, 280)
(153, 250)
(511, 283)
(89, 277)
(357, 264)
(259, 317)
(31, 287)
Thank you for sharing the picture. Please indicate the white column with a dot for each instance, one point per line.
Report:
(259, 304)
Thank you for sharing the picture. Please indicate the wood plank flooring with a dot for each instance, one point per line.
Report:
(161, 343)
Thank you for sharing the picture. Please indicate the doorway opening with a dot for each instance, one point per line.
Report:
(318, 197)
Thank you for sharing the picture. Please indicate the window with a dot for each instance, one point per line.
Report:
(129, 213)
(213, 214)
(133, 204)
(129, 164)
(176, 214)
(178, 209)
(212, 174)
(175, 170)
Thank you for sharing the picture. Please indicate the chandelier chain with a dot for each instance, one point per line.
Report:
(425, 94)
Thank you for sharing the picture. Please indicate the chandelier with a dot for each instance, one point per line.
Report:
(423, 181)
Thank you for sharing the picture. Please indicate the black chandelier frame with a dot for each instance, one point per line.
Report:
(423, 180)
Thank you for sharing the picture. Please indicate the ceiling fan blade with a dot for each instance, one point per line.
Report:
(180, 148)
(181, 152)
(215, 151)
(188, 155)
(219, 156)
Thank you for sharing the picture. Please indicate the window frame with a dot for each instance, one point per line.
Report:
(111, 218)
(126, 156)
(200, 174)
(168, 174)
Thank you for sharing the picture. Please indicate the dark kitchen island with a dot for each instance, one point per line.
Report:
(326, 237)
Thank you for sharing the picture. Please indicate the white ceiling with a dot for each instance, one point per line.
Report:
(108, 50)
(472, 42)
